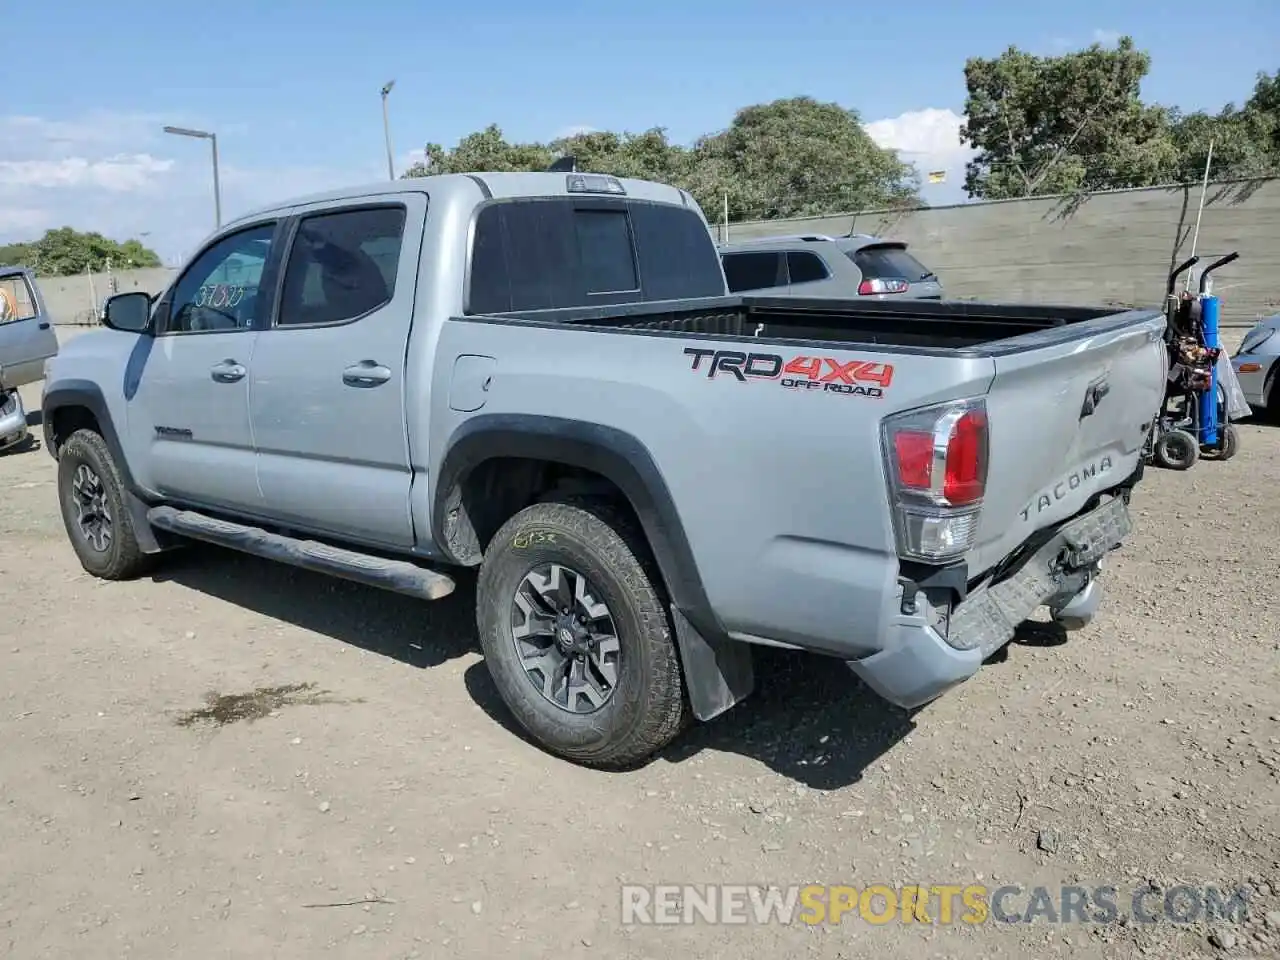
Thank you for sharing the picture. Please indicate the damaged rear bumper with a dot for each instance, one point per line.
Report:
(928, 652)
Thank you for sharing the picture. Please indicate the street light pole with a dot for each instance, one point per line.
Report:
(217, 188)
(386, 128)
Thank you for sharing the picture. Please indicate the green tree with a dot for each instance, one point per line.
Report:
(786, 158)
(1246, 140)
(1063, 124)
(16, 254)
(485, 150)
(65, 251)
(797, 157)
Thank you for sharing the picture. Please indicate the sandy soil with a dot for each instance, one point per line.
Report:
(359, 753)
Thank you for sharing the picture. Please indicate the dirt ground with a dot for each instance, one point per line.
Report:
(358, 791)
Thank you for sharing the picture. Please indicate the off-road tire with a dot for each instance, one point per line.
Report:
(648, 707)
(122, 559)
(1176, 450)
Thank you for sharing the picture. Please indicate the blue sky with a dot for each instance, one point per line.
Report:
(292, 88)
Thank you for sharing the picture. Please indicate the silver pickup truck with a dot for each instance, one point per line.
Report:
(541, 375)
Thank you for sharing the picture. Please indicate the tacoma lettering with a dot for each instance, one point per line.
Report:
(1071, 482)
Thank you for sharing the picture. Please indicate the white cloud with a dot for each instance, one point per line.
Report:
(929, 139)
(1107, 38)
(120, 175)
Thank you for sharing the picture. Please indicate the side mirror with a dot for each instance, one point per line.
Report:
(130, 312)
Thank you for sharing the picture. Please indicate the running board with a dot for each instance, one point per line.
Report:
(399, 576)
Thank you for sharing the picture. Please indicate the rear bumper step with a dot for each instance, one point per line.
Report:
(399, 576)
(989, 616)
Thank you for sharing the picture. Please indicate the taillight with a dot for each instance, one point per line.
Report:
(937, 470)
(869, 287)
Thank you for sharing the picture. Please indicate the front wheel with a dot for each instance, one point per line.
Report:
(1176, 450)
(577, 636)
(93, 509)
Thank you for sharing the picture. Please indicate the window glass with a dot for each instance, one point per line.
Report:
(605, 251)
(677, 255)
(888, 263)
(489, 290)
(342, 265)
(16, 301)
(805, 267)
(541, 254)
(752, 271)
(220, 290)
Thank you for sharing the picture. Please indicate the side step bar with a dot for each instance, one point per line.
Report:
(399, 576)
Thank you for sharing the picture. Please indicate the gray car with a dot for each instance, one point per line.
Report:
(27, 340)
(842, 268)
(1255, 365)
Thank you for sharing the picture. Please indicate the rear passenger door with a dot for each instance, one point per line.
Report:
(327, 397)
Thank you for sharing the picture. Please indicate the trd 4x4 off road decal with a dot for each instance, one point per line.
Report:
(857, 378)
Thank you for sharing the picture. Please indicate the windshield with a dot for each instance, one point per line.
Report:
(889, 263)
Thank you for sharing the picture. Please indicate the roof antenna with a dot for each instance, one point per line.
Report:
(566, 164)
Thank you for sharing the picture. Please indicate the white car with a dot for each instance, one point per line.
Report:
(1255, 365)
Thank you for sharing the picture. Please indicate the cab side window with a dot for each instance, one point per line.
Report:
(220, 292)
(342, 265)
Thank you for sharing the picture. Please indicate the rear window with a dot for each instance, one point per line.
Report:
(605, 251)
(753, 271)
(543, 254)
(888, 263)
(16, 301)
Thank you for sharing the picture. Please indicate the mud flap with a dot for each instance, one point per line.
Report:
(143, 532)
(717, 673)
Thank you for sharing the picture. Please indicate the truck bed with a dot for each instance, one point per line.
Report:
(912, 326)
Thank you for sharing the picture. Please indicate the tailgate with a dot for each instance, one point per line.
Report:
(1069, 410)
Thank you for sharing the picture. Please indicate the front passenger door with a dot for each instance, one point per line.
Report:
(189, 404)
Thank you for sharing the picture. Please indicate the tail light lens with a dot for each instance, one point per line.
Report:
(937, 469)
(868, 288)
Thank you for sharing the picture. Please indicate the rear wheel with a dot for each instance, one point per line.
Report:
(1176, 450)
(93, 509)
(577, 636)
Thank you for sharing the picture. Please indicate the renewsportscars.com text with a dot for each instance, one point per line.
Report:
(973, 904)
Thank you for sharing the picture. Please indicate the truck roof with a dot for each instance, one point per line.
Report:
(496, 184)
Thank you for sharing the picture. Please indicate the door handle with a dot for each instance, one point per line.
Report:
(228, 371)
(366, 373)
(44, 324)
